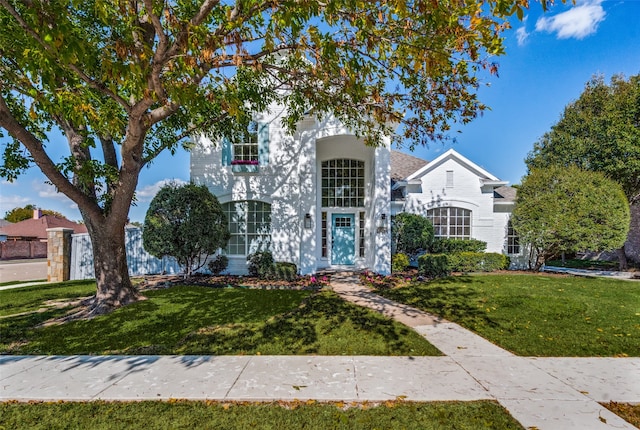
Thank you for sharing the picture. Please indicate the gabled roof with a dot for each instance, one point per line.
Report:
(449, 155)
(403, 165)
(4, 222)
(505, 194)
(37, 228)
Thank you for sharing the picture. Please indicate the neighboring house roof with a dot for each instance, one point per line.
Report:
(403, 165)
(505, 193)
(4, 222)
(36, 228)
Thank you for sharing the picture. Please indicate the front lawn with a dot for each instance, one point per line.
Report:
(537, 314)
(201, 415)
(203, 320)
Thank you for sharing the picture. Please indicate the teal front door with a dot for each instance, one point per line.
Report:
(343, 239)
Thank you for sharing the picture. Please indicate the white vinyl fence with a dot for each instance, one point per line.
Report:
(140, 262)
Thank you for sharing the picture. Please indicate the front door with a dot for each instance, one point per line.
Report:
(343, 239)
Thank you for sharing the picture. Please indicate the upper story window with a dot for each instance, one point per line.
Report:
(454, 223)
(248, 149)
(245, 151)
(342, 183)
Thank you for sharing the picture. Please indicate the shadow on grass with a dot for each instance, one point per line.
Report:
(198, 320)
(453, 298)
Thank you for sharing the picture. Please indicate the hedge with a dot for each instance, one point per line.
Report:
(450, 246)
(439, 265)
(399, 262)
(434, 265)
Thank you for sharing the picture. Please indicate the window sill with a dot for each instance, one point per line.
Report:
(244, 168)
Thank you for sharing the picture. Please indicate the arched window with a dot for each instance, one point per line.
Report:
(454, 223)
(342, 183)
(249, 225)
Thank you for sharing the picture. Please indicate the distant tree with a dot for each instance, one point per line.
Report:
(186, 222)
(26, 212)
(566, 209)
(411, 233)
(599, 132)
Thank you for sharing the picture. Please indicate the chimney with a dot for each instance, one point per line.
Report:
(37, 213)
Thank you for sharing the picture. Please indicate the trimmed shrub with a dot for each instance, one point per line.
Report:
(477, 262)
(399, 262)
(410, 233)
(284, 271)
(218, 264)
(450, 246)
(494, 261)
(434, 265)
(260, 264)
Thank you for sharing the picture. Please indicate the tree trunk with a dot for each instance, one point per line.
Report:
(114, 288)
(622, 259)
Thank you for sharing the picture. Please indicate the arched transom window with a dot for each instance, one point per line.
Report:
(343, 183)
(249, 225)
(450, 222)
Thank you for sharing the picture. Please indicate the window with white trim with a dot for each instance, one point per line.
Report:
(450, 222)
(513, 241)
(245, 151)
(342, 183)
(249, 225)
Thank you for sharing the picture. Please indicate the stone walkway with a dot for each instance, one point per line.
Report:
(541, 393)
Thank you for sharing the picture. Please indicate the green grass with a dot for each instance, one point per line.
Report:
(25, 299)
(201, 320)
(535, 314)
(200, 415)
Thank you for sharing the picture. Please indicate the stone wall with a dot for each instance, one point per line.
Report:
(58, 254)
(18, 249)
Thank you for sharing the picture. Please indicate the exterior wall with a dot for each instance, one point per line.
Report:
(467, 192)
(290, 182)
(472, 189)
(15, 249)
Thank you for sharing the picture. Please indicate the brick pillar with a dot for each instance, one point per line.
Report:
(58, 254)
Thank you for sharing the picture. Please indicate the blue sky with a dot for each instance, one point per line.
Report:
(549, 58)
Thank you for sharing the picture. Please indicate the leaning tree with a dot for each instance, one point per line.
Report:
(124, 80)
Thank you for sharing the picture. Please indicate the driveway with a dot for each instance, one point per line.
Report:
(23, 270)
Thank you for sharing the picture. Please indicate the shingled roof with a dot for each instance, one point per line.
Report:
(36, 228)
(403, 165)
(508, 194)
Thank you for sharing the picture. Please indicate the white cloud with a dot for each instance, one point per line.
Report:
(578, 22)
(13, 201)
(148, 192)
(522, 34)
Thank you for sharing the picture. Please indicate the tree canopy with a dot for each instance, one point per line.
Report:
(125, 80)
(26, 212)
(185, 222)
(566, 209)
(600, 131)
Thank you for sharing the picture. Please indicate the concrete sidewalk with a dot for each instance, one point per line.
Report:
(542, 393)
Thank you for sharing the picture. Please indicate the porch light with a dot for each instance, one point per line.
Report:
(307, 221)
(382, 223)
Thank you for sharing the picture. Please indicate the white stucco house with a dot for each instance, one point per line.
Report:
(319, 198)
(322, 199)
(461, 199)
